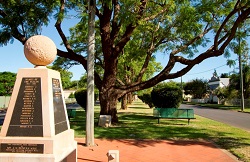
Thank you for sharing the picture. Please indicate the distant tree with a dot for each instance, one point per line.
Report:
(82, 83)
(197, 88)
(74, 84)
(7, 82)
(246, 81)
(235, 81)
(225, 93)
(146, 98)
(65, 76)
(224, 75)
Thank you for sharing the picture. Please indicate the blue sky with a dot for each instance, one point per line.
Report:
(12, 58)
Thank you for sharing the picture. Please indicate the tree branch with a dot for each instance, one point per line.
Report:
(191, 42)
(243, 16)
(98, 13)
(115, 25)
(3, 14)
(71, 54)
(59, 29)
(82, 61)
(154, 16)
(211, 52)
(148, 57)
(129, 29)
(14, 30)
(222, 26)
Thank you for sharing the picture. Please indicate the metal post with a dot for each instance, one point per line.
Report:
(90, 76)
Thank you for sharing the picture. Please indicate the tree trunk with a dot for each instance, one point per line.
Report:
(108, 103)
(130, 98)
(124, 102)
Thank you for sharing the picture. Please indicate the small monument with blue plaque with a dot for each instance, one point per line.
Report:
(36, 127)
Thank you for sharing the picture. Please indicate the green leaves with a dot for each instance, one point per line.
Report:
(25, 16)
(196, 87)
(7, 81)
(166, 96)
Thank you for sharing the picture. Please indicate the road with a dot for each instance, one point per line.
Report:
(233, 118)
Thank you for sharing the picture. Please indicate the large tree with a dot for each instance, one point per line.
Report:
(134, 30)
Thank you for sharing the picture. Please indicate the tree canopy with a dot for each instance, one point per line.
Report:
(197, 88)
(129, 35)
(7, 81)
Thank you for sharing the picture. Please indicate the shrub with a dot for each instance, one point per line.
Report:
(167, 96)
(146, 98)
(81, 97)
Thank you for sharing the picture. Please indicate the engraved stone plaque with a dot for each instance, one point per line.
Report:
(27, 114)
(22, 148)
(59, 112)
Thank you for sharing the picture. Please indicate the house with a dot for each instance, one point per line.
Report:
(214, 83)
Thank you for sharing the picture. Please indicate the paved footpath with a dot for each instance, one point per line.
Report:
(153, 151)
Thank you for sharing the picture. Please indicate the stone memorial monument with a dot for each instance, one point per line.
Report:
(36, 126)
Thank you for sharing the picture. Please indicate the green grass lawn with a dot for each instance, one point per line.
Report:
(137, 123)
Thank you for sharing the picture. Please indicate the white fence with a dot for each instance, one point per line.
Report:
(196, 100)
(232, 102)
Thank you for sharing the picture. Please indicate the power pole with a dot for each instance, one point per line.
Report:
(241, 78)
(90, 75)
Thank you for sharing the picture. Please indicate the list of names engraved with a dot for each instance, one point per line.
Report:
(29, 98)
(59, 112)
(27, 114)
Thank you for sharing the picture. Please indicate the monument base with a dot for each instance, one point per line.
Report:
(60, 148)
(18, 157)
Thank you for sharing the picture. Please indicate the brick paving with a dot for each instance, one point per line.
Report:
(153, 151)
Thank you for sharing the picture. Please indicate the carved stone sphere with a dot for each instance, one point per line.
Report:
(40, 50)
